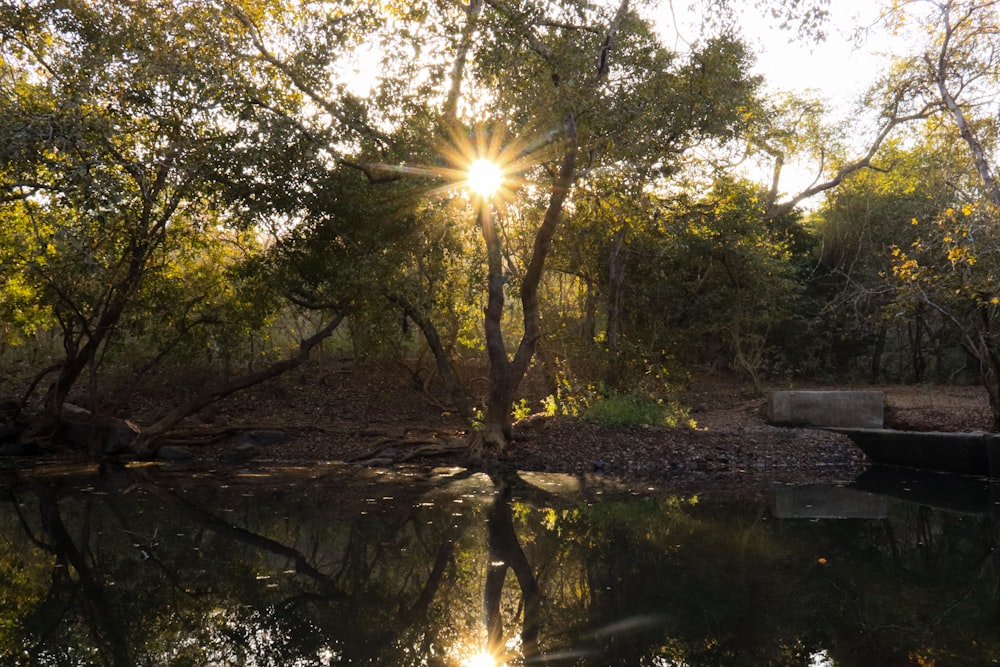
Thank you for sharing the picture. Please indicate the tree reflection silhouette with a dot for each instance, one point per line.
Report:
(128, 567)
(505, 553)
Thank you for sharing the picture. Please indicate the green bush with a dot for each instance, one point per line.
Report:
(618, 410)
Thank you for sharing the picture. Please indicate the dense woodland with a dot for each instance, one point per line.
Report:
(237, 185)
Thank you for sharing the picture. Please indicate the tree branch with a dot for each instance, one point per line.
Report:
(300, 84)
(148, 439)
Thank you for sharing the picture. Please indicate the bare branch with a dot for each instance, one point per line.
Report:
(777, 210)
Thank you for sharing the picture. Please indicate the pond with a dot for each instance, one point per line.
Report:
(335, 565)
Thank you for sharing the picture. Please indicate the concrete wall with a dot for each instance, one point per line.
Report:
(846, 409)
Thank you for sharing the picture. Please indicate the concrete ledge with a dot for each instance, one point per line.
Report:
(975, 453)
(845, 409)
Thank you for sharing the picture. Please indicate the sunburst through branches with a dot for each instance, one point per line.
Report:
(487, 163)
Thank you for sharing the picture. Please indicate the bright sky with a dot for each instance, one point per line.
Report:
(838, 70)
(838, 67)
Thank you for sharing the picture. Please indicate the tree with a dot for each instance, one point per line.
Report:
(137, 168)
(955, 66)
(588, 88)
(110, 134)
(633, 133)
(860, 223)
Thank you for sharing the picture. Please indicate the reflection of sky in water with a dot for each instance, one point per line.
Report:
(820, 659)
(340, 566)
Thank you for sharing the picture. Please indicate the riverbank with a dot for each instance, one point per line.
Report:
(382, 416)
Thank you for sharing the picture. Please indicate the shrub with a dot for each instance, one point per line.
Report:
(618, 410)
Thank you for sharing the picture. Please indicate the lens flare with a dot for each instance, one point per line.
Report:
(485, 177)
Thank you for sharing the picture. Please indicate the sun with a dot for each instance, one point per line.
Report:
(485, 177)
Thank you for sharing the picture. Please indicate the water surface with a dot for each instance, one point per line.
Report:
(335, 565)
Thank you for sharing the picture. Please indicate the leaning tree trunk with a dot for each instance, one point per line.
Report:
(150, 437)
(459, 397)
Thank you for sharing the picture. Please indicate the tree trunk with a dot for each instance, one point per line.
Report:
(747, 352)
(472, 12)
(875, 368)
(78, 358)
(505, 374)
(989, 363)
(588, 330)
(459, 398)
(918, 362)
(495, 430)
(991, 382)
(979, 156)
(616, 282)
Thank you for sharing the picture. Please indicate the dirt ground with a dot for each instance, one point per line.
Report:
(381, 416)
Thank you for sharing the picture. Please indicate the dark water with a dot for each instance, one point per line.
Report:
(330, 566)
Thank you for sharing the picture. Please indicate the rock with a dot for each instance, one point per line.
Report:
(120, 436)
(377, 463)
(75, 425)
(70, 411)
(173, 453)
(263, 438)
(241, 453)
(113, 436)
(846, 409)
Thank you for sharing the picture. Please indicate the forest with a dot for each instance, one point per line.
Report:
(561, 190)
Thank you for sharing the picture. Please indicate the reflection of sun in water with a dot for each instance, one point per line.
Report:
(485, 178)
(481, 659)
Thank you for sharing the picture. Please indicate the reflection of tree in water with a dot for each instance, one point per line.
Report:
(72, 579)
(119, 569)
(505, 553)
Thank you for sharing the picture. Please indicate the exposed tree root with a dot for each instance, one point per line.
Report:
(387, 453)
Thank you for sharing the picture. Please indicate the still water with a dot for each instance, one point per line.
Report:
(327, 566)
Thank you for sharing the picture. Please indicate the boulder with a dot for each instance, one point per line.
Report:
(241, 453)
(173, 453)
(119, 436)
(263, 437)
(107, 436)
